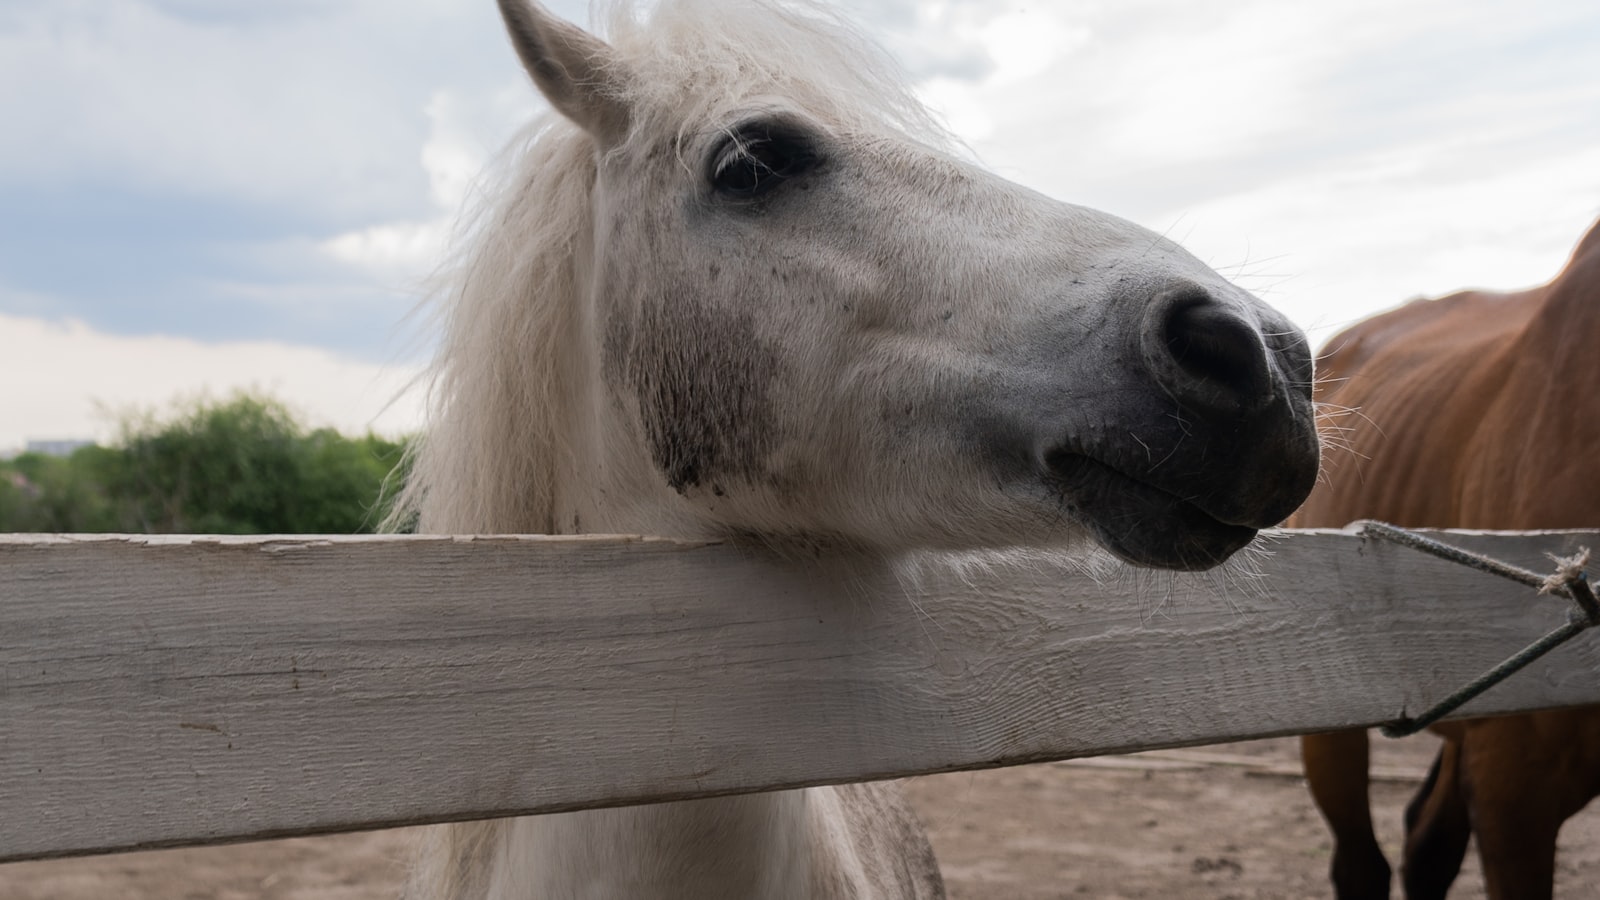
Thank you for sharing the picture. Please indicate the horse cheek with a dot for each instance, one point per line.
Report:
(702, 377)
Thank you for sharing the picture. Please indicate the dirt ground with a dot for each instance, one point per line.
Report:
(1221, 823)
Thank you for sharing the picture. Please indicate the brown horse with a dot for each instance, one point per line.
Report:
(1472, 411)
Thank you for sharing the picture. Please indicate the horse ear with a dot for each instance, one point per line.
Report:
(577, 72)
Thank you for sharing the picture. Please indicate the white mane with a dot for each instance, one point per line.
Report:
(506, 300)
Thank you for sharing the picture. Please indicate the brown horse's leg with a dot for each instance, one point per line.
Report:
(1437, 829)
(1336, 771)
(1524, 775)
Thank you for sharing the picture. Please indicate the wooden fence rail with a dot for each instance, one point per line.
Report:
(169, 691)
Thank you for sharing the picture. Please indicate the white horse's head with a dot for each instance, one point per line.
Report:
(788, 312)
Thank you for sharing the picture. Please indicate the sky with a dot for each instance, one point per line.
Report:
(203, 195)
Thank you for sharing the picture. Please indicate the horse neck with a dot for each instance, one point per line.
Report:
(755, 846)
(1538, 423)
(1562, 337)
(759, 846)
(603, 479)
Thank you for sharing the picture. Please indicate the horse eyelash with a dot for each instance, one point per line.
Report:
(740, 151)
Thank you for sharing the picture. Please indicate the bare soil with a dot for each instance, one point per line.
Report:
(1221, 823)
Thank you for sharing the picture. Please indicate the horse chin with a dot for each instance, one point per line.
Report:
(1194, 550)
(1142, 524)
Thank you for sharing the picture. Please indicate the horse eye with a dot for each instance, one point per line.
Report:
(753, 160)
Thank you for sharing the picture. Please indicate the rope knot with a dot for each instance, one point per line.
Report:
(1568, 570)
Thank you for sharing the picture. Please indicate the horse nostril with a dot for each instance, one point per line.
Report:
(1206, 352)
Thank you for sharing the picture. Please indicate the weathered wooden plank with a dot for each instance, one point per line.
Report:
(163, 691)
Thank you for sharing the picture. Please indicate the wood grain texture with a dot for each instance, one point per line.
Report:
(167, 691)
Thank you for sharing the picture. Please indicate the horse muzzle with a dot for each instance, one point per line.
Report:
(1211, 437)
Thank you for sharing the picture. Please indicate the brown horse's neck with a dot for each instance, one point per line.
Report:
(1544, 410)
(1565, 334)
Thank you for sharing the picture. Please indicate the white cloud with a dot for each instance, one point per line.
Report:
(1161, 84)
(65, 380)
(1017, 45)
(933, 40)
(464, 134)
(404, 248)
(318, 108)
(1337, 158)
(1346, 243)
(1026, 43)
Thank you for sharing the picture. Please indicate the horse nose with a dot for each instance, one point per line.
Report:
(1205, 353)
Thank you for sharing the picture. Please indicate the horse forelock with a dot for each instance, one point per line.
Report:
(690, 61)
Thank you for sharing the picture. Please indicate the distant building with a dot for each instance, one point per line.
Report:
(55, 448)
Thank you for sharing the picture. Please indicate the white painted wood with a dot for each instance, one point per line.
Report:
(164, 691)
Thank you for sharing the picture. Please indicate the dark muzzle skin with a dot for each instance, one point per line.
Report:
(1198, 433)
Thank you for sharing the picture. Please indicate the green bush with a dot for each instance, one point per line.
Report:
(239, 466)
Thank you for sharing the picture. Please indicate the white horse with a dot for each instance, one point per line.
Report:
(737, 288)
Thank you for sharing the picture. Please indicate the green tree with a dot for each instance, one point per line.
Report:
(239, 466)
(48, 493)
